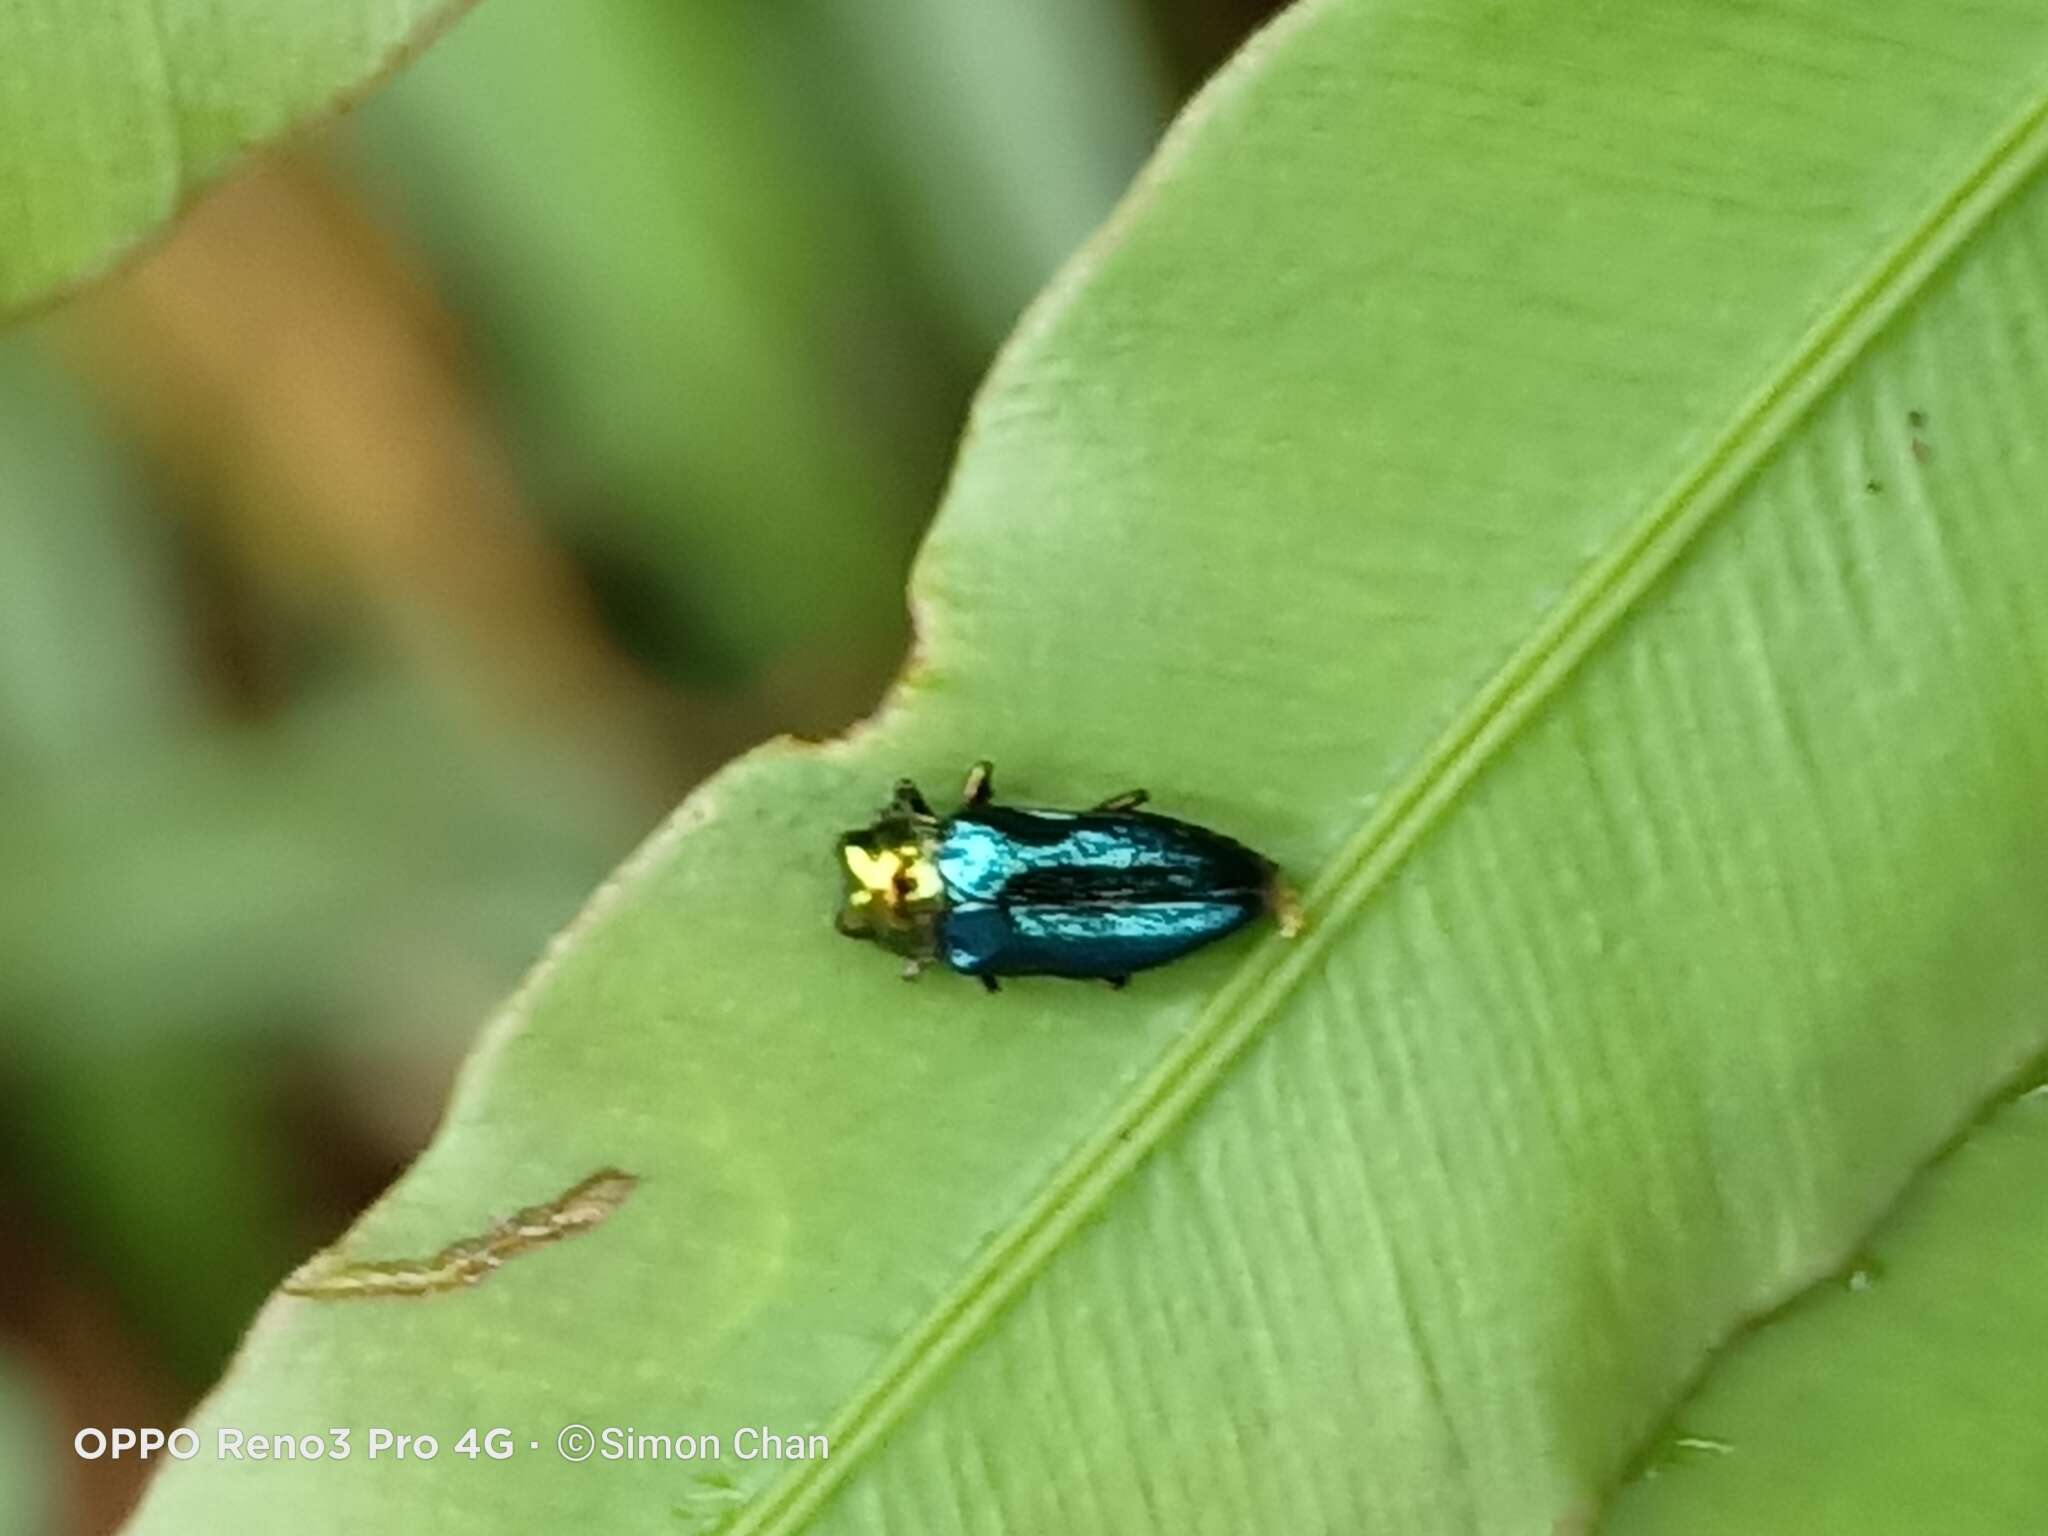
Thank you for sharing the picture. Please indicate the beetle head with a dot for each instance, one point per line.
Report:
(893, 893)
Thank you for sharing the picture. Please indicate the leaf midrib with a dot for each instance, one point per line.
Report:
(1647, 550)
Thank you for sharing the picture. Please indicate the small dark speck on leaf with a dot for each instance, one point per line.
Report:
(1873, 485)
(1916, 419)
(1921, 451)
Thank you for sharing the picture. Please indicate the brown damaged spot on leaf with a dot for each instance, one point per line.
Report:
(329, 1277)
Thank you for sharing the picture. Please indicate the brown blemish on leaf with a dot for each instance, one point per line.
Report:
(1917, 420)
(328, 1277)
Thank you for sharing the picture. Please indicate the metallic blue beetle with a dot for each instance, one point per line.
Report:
(997, 890)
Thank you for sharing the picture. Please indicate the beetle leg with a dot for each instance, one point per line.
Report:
(1117, 983)
(1129, 800)
(980, 787)
(912, 968)
(989, 983)
(909, 798)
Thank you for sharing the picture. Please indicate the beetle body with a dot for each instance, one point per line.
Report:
(999, 890)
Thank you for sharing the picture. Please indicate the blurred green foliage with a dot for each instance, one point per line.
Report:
(381, 556)
(736, 267)
(26, 1504)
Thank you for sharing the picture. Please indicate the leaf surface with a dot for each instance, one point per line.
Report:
(1905, 1395)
